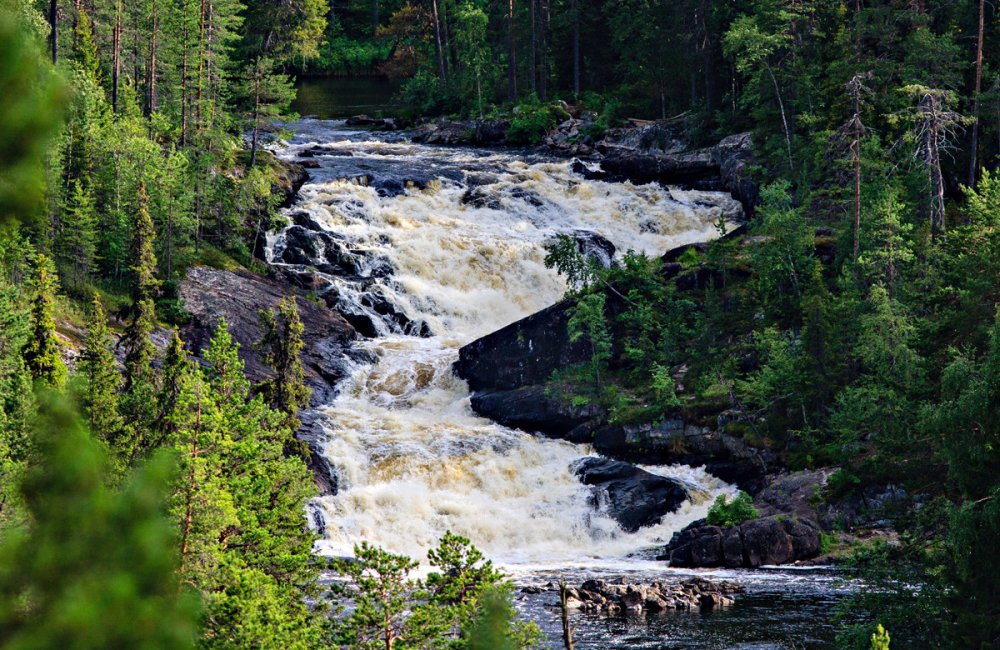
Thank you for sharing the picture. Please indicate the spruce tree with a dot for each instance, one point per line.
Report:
(280, 346)
(41, 353)
(77, 237)
(100, 367)
(226, 367)
(140, 378)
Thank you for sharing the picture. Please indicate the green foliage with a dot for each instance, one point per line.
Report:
(113, 582)
(531, 122)
(41, 353)
(462, 604)
(589, 323)
(880, 639)
(101, 399)
(281, 346)
(33, 99)
(726, 512)
(382, 599)
(566, 257)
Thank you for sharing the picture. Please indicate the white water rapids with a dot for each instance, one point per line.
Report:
(413, 459)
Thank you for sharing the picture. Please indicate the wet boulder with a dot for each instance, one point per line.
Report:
(758, 542)
(535, 409)
(632, 496)
(595, 247)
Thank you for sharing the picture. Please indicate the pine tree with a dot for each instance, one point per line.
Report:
(41, 354)
(100, 367)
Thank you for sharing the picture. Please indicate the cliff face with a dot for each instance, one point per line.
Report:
(238, 296)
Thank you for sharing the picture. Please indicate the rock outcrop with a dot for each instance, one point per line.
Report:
(537, 408)
(674, 441)
(238, 296)
(633, 497)
(758, 542)
(722, 167)
(601, 597)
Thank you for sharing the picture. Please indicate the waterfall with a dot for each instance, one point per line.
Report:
(435, 247)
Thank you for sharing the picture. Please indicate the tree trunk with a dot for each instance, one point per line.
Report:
(511, 55)
(54, 24)
(576, 48)
(256, 122)
(784, 119)
(200, 83)
(151, 70)
(374, 16)
(973, 150)
(116, 56)
(856, 159)
(532, 63)
(543, 57)
(438, 44)
(566, 629)
(184, 85)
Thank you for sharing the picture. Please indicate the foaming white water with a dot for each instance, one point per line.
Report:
(467, 254)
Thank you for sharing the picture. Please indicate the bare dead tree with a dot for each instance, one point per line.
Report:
(564, 608)
(975, 99)
(852, 131)
(935, 130)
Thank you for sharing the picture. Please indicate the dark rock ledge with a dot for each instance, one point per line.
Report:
(599, 596)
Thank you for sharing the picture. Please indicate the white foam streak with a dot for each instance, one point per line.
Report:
(414, 460)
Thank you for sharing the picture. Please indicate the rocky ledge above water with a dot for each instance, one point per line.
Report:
(238, 296)
(643, 151)
(613, 598)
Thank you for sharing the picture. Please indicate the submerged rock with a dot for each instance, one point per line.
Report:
(632, 496)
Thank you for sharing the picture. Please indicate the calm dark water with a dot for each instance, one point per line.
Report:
(330, 98)
(782, 609)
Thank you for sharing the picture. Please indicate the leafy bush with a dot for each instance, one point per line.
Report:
(531, 122)
(731, 513)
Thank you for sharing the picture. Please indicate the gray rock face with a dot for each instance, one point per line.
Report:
(522, 354)
(724, 166)
(238, 296)
(634, 497)
(755, 543)
(209, 294)
(674, 441)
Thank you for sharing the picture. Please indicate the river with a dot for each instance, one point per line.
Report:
(447, 244)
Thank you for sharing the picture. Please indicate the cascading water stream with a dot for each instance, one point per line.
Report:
(450, 243)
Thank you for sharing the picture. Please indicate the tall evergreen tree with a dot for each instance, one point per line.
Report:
(41, 353)
(140, 384)
(102, 399)
(281, 345)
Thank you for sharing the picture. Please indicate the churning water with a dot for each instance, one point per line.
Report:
(465, 244)
(449, 243)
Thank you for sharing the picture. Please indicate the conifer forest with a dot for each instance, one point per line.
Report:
(499, 324)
